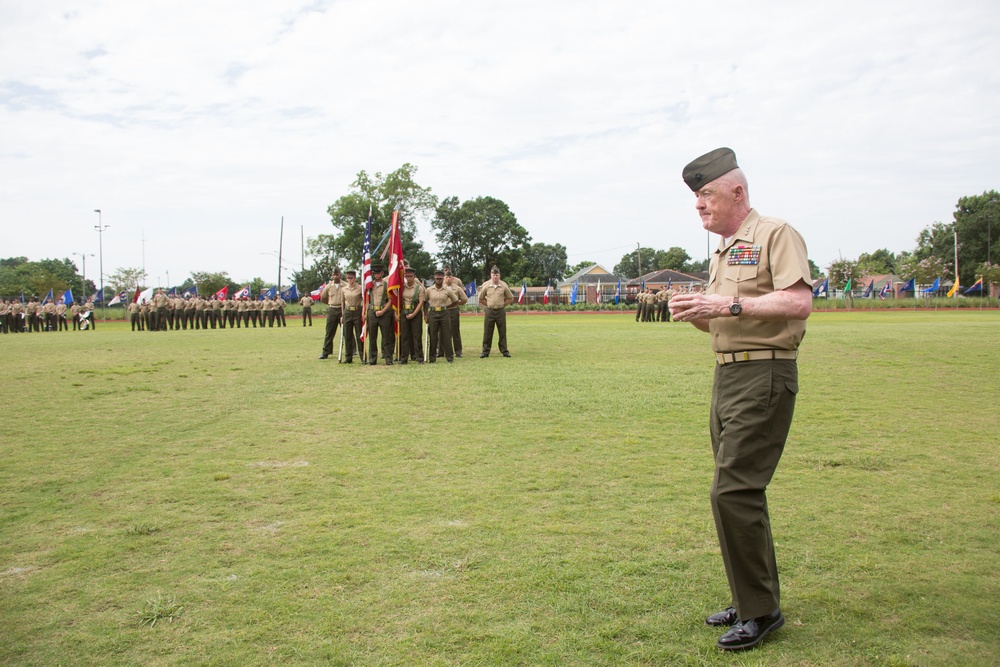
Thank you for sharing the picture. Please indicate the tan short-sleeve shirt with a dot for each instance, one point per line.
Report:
(440, 297)
(494, 296)
(765, 255)
(412, 296)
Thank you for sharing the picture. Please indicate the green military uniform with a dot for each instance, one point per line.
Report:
(411, 323)
(353, 303)
(380, 324)
(133, 316)
(753, 400)
(494, 297)
(455, 312)
(307, 308)
(333, 296)
(438, 298)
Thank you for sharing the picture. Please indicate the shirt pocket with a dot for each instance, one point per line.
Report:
(742, 280)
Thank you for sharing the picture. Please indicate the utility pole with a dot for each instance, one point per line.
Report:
(83, 283)
(100, 227)
(281, 241)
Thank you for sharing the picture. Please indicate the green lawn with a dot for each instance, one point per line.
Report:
(224, 498)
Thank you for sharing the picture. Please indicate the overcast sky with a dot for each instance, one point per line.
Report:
(195, 126)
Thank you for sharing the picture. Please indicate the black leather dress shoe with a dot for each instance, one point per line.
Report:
(458, 354)
(324, 356)
(723, 619)
(747, 634)
(483, 355)
(506, 354)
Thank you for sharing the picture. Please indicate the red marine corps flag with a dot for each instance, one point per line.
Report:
(222, 294)
(394, 281)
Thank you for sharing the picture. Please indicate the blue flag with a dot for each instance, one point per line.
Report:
(191, 291)
(99, 297)
(172, 291)
(48, 297)
(66, 298)
(977, 287)
(470, 289)
(909, 286)
(291, 294)
(935, 287)
(823, 289)
(269, 294)
(869, 290)
(573, 293)
(618, 291)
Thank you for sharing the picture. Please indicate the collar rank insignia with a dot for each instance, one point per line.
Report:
(744, 255)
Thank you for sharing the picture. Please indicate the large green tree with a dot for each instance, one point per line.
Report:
(18, 275)
(877, 263)
(977, 219)
(675, 259)
(477, 234)
(381, 194)
(126, 278)
(542, 263)
(209, 282)
(629, 266)
(579, 266)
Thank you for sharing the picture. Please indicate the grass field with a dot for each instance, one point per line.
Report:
(224, 498)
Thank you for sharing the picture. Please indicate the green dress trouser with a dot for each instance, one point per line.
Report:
(752, 407)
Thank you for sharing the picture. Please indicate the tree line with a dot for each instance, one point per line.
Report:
(476, 234)
(976, 221)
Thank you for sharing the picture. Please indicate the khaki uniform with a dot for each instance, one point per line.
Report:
(455, 310)
(333, 296)
(160, 303)
(753, 400)
(411, 323)
(662, 311)
(352, 305)
(380, 324)
(438, 299)
(133, 316)
(307, 309)
(49, 316)
(494, 299)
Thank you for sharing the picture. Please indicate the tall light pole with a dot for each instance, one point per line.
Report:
(83, 283)
(100, 227)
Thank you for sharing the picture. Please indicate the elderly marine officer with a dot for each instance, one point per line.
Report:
(755, 306)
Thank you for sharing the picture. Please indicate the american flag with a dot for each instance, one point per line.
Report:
(366, 269)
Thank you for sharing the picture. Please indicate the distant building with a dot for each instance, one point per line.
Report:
(588, 279)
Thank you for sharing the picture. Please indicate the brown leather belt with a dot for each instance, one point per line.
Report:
(754, 355)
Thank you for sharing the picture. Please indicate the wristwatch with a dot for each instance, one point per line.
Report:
(735, 308)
